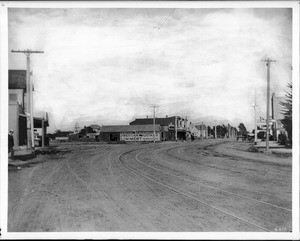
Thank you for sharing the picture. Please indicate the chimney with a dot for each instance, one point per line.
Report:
(147, 117)
(166, 116)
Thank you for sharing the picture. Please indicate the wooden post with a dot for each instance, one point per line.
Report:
(43, 133)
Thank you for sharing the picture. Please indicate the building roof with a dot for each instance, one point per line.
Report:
(161, 121)
(17, 79)
(129, 128)
(38, 122)
(95, 126)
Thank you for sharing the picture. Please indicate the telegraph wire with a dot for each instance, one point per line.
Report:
(158, 27)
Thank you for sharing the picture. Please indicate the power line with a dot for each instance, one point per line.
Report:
(158, 27)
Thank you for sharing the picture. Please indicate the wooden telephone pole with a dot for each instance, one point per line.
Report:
(154, 106)
(29, 90)
(255, 121)
(268, 63)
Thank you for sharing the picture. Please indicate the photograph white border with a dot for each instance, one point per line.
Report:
(145, 235)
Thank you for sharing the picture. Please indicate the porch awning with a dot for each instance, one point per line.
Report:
(38, 122)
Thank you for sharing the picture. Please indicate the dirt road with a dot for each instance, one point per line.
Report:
(210, 185)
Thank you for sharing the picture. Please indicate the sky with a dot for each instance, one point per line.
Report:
(109, 66)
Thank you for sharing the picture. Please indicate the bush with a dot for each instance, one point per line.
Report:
(282, 139)
(252, 148)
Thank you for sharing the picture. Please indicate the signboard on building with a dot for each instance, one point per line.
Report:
(171, 128)
(139, 136)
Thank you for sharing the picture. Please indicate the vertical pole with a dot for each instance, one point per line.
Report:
(154, 123)
(202, 131)
(274, 127)
(28, 102)
(215, 129)
(176, 128)
(31, 113)
(268, 104)
(268, 62)
(43, 133)
(29, 108)
(255, 120)
(186, 128)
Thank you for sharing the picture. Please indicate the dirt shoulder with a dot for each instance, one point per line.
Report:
(243, 150)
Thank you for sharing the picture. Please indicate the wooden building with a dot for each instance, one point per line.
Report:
(173, 128)
(130, 133)
(17, 118)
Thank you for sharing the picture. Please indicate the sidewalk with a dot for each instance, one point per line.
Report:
(275, 148)
(22, 154)
(22, 157)
(19, 163)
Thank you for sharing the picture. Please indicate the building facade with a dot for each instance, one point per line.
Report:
(17, 117)
(130, 133)
(202, 131)
(172, 128)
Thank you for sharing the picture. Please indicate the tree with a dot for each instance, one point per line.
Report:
(87, 129)
(210, 131)
(287, 121)
(221, 130)
(242, 129)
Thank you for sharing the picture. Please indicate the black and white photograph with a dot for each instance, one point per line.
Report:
(150, 120)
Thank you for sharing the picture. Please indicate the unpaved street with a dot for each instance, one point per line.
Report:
(209, 185)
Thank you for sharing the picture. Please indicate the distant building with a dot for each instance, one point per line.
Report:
(94, 136)
(130, 133)
(276, 116)
(202, 131)
(169, 126)
(231, 131)
(17, 118)
(63, 135)
(96, 128)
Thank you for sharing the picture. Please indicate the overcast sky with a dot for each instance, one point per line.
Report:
(107, 66)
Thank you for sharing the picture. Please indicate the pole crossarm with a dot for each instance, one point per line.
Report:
(28, 51)
(268, 60)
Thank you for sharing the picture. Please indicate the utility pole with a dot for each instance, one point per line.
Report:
(202, 130)
(175, 128)
(186, 126)
(215, 129)
(76, 128)
(268, 63)
(43, 133)
(29, 90)
(154, 106)
(255, 120)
